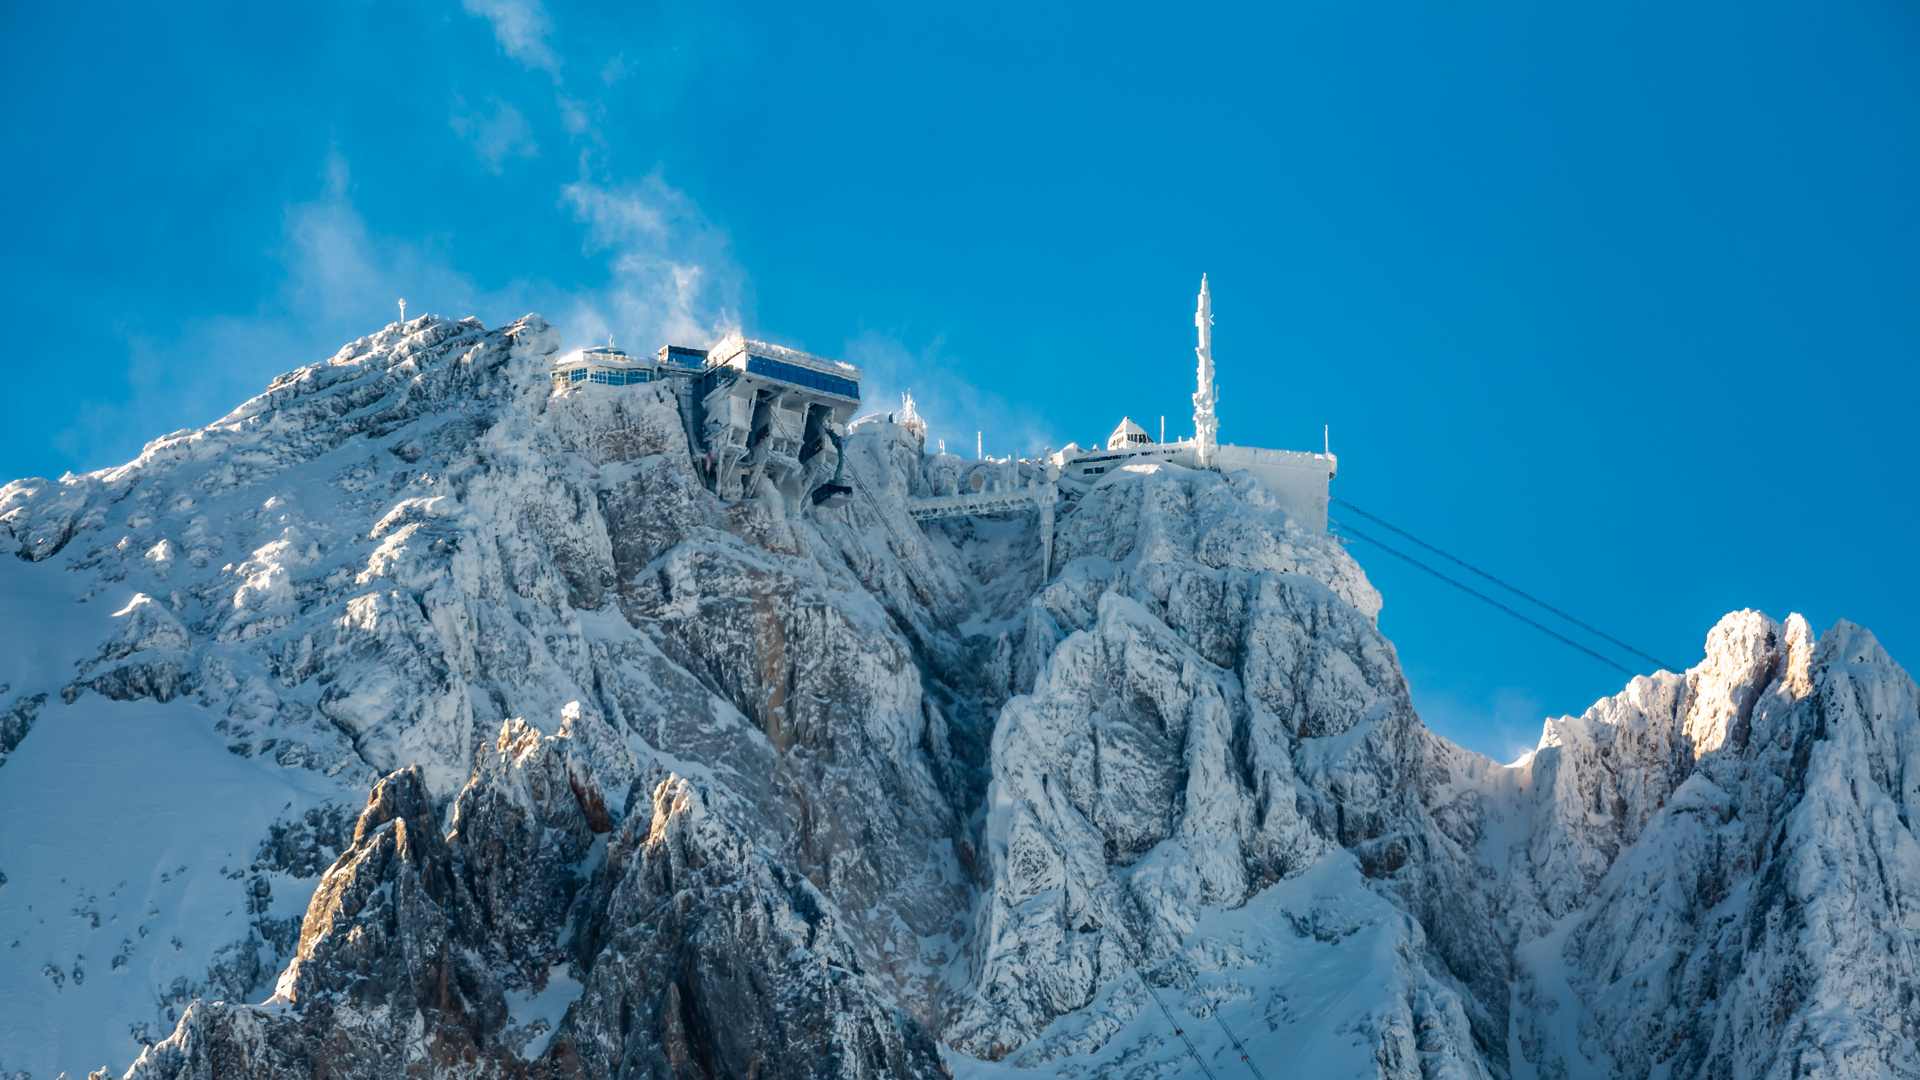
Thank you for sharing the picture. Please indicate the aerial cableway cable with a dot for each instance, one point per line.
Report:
(1237, 1045)
(1463, 587)
(1188, 1039)
(1177, 1029)
(1524, 596)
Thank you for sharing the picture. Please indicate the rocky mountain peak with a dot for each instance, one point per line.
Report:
(667, 785)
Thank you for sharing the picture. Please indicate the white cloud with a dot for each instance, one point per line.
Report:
(339, 281)
(503, 134)
(1504, 724)
(955, 409)
(616, 69)
(521, 27)
(673, 277)
(340, 275)
(579, 117)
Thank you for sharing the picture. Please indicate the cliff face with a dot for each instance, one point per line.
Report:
(666, 786)
(1722, 865)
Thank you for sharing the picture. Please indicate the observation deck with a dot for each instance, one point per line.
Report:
(604, 365)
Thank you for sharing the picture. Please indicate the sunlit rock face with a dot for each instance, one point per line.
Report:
(1724, 865)
(663, 785)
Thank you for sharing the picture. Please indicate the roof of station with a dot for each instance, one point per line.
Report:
(733, 346)
(1127, 432)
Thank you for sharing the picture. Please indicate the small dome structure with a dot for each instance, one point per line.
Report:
(1128, 435)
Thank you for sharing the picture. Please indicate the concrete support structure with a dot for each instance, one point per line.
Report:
(753, 411)
(1296, 479)
(768, 412)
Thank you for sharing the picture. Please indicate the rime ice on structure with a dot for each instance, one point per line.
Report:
(756, 411)
(1297, 480)
(1127, 435)
(753, 410)
(1206, 426)
(605, 365)
(767, 410)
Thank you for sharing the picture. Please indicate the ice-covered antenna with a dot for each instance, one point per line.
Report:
(609, 341)
(1327, 434)
(403, 311)
(978, 453)
(1163, 429)
(1206, 424)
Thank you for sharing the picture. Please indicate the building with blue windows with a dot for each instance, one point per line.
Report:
(753, 410)
(604, 365)
(769, 411)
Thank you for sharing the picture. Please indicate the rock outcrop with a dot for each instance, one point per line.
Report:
(664, 786)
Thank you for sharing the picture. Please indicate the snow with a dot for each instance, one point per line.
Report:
(129, 831)
(539, 1014)
(1306, 975)
(1550, 1044)
(1188, 757)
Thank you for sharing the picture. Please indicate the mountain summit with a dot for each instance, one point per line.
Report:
(426, 716)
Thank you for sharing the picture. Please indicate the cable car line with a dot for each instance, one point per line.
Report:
(1177, 1029)
(1463, 587)
(1524, 596)
(1244, 1056)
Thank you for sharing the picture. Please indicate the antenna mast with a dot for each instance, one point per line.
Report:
(1205, 424)
(403, 311)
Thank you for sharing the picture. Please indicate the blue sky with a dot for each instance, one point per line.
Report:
(1621, 302)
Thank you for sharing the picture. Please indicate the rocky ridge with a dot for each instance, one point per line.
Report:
(663, 786)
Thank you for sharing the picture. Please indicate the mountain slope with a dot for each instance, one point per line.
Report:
(665, 786)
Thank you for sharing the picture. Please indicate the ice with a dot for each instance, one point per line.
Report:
(909, 783)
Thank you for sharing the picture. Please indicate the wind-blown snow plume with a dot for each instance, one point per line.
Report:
(673, 275)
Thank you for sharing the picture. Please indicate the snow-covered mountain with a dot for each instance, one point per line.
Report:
(415, 719)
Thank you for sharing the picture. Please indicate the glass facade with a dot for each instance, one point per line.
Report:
(799, 376)
(620, 378)
(763, 366)
(603, 376)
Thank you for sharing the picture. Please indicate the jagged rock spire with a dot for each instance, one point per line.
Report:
(1206, 426)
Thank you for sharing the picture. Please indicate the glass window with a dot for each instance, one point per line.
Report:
(799, 376)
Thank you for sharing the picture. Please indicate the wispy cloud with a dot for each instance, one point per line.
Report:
(954, 407)
(1503, 724)
(339, 281)
(497, 135)
(616, 69)
(521, 27)
(670, 273)
(673, 276)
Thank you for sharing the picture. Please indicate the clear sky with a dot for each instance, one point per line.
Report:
(1619, 301)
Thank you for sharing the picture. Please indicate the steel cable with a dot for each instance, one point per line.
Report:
(1470, 590)
(1177, 1029)
(1244, 1056)
(1524, 596)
